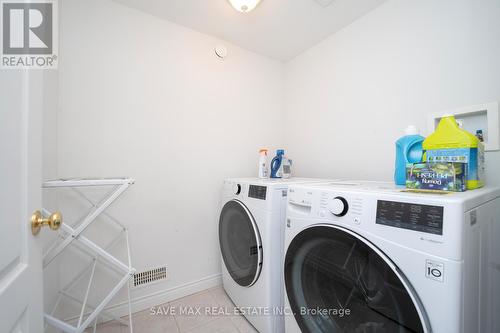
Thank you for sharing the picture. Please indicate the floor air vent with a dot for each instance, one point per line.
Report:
(153, 275)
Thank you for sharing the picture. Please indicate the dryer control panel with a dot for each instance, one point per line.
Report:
(257, 192)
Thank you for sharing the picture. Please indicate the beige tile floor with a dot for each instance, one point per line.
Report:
(176, 322)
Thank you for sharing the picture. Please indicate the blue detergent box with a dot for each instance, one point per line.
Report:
(472, 157)
(449, 177)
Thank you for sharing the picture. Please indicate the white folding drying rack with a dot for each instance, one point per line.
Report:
(74, 235)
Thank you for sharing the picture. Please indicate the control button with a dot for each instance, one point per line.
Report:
(237, 189)
(338, 206)
(357, 220)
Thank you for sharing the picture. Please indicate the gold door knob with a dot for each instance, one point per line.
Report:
(37, 221)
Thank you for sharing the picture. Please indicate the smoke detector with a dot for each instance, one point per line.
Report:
(220, 51)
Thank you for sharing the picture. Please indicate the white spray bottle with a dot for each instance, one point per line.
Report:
(263, 163)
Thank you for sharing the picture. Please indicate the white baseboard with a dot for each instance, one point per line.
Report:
(167, 295)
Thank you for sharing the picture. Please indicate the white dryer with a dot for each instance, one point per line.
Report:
(370, 257)
(251, 235)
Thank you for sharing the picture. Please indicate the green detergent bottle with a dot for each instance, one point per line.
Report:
(450, 143)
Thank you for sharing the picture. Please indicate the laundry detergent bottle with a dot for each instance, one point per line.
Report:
(450, 143)
(276, 164)
(408, 150)
(263, 163)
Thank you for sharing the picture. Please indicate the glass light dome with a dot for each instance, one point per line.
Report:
(244, 6)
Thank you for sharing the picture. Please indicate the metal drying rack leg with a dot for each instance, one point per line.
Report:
(97, 253)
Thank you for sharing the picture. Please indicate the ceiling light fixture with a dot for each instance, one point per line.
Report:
(244, 6)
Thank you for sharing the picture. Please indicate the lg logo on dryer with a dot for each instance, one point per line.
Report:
(434, 270)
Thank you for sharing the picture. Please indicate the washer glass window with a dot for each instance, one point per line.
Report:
(240, 243)
(335, 282)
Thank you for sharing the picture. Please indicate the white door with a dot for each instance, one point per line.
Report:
(21, 100)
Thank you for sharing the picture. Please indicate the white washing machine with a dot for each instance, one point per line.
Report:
(369, 257)
(251, 235)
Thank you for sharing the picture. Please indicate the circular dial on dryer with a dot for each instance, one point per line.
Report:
(236, 189)
(338, 206)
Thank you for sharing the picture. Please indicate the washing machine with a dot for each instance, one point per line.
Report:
(371, 257)
(251, 235)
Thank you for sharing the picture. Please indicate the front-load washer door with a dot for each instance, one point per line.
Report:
(336, 281)
(240, 243)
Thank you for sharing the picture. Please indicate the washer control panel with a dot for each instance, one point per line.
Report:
(383, 211)
(412, 216)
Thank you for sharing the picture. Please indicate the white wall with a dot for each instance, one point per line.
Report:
(350, 97)
(145, 98)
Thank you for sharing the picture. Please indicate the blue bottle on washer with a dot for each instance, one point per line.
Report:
(276, 163)
(408, 150)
